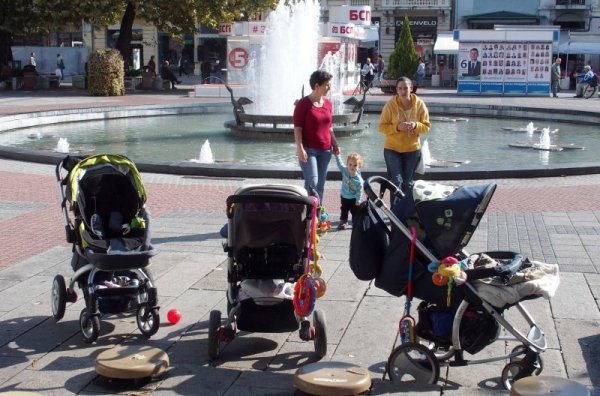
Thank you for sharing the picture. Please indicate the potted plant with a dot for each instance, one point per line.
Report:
(403, 61)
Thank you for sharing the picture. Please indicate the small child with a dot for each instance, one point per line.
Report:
(352, 183)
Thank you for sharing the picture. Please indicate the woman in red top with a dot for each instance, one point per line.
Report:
(313, 133)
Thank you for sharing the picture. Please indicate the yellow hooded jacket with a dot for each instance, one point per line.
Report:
(393, 114)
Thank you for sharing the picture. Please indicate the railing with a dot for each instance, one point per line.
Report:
(570, 2)
(416, 4)
(358, 3)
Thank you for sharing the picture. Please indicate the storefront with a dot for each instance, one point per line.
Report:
(504, 62)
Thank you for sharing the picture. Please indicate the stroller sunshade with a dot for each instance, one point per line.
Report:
(448, 215)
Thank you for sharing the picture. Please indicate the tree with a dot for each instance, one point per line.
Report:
(173, 17)
(404, 60)
(23, 17)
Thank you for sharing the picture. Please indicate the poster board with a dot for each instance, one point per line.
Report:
(504, 65)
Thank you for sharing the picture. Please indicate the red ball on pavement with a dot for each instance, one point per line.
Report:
(173, 316)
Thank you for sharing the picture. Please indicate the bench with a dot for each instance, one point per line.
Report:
(131, 83)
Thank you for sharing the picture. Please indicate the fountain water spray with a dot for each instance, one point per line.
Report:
(62, 146)
(530, 129)
(427, 158)
(545, 139)
(206, 155)
(283, 64)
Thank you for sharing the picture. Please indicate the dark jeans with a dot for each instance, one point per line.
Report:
(348, 205)
(401, 167)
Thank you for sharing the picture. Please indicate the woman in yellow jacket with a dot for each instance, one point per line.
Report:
(403, 119)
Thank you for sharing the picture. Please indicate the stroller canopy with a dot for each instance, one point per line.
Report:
(104, 164)
(448, 215)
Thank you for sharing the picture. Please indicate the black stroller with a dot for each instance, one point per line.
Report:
(110, 233)
(444, 219)
(268, 232)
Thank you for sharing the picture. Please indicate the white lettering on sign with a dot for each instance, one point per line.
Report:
(238, 57)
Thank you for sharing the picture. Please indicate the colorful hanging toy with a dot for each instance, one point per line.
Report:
(324, 223)
(310, 285)
(449, 271)
(407, 322)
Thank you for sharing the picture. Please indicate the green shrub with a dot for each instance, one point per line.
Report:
(105, 73)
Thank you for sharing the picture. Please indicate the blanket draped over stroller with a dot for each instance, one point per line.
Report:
(445, 218)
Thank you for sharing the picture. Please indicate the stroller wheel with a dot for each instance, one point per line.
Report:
(413, 361)
(320, 337)
(214, 325)
(59, 297)
(90, 326)
(511, 373)
(148, 320)
(521, 349)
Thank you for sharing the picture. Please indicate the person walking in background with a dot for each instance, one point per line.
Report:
(60, 67)
(152, 66)
(32, 61)
(403, 119)
(420, 73)
(352, 183)
(380, 67)
(313, 133)
(181, 65)
(555, 77)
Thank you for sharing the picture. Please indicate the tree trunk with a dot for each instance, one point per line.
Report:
(5, 47)
(125, 34)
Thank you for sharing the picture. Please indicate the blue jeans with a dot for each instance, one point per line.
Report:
(315, 171)
(401, 167)
(555, 87)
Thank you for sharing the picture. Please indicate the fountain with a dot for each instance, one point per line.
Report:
(206, 155)
(62, 146)
(271, 116)
(544, 141)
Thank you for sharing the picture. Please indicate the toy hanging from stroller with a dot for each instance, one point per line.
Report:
(272, 272)
(452, 319)
(110, 233)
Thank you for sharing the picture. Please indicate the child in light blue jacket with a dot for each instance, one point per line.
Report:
(352, 185)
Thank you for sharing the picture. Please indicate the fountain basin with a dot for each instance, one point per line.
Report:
(282, 126)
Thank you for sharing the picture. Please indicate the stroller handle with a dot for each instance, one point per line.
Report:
(264, 198)
(504, 271)
(384, 184)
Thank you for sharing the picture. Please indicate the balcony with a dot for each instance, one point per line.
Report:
(416, 4)
(572, 4)
(359, 3)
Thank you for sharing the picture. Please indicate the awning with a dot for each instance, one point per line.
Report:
(371, 34)
(445, 44)
(579, 47)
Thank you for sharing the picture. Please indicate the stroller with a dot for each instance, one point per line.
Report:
(453, 321)
(110, 233)
(267, 246)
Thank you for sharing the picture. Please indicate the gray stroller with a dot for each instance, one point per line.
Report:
(449, 323)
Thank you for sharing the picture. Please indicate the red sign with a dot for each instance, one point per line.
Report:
(238, 57)
(363, 15)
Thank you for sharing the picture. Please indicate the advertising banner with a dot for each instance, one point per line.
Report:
(505, 67)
